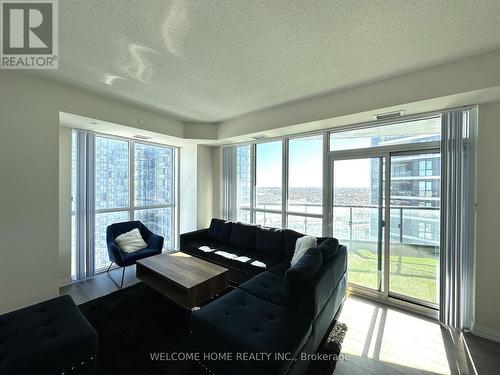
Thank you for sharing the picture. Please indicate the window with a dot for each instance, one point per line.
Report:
(261, 166)
(158, 220)
(312, 226)
(425, 189)
(379, 194)
(111, 181)
(153, 171)
(102, 220)
(268, 178)
(305, 175)
(111, 173)
(268, 219)
(416, 131)
(131, 181)
(425, 168)
(243, 183)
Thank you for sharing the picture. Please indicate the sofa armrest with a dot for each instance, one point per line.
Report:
(186, 238)
(318, 290)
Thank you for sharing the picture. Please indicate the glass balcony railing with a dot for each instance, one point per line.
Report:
(409, 225)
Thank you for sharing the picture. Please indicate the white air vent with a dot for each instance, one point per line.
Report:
(389, 115)
(257, 137)
(143, 137)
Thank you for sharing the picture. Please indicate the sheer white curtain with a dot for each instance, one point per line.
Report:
(457, 218)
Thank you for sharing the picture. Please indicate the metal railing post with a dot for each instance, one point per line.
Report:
(350, 223)
(401, 225)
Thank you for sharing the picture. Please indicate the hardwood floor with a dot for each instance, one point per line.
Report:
(385, 340)
(380, 340)
(99, 285)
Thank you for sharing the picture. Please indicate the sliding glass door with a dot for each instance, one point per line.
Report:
(358, 213)
(404, 262)
(415, 188)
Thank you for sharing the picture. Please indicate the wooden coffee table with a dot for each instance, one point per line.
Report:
(186, 280)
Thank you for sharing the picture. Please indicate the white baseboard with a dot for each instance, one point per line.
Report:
(64, 282)
(486, 333)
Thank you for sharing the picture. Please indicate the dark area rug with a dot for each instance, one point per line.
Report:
(136, 321)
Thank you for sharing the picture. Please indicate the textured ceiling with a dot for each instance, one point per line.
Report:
(210, 60)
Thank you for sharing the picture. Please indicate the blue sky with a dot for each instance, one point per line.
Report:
(306, 163)
(306, 166)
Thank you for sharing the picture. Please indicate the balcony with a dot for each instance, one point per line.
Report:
(414, 248)
(414, 242)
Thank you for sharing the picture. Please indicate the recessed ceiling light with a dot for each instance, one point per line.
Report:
(93, 123)
(257, 137)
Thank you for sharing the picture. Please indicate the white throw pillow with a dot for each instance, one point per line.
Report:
(131, 241)
(301, 246)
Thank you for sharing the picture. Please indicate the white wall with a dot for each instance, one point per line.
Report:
(487, 308)
(29, 143)
(188, 185)
(205, 186)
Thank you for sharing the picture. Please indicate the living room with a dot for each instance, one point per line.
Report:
(280, 187)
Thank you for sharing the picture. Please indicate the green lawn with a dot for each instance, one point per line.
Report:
(413, 276)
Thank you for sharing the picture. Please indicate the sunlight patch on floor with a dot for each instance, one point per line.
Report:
(393, 337)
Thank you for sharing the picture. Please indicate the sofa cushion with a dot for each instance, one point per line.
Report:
(329, 247)
(280, 268)
(246, 261)
(239, 322)
(301, 246)
(300, 273)
(243, 236)
(202, 243)
(51, 337)
(131, 258)
(267, 285)
(270, 240)
(131, 241)
(291, 237)
(220, 230)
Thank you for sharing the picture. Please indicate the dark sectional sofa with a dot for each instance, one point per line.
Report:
(277, 314)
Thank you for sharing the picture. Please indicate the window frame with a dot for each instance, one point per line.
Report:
(87, 245)
(328, 127)
(285, 167)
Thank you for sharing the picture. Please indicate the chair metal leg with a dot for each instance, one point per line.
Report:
(109, 275)
(123, 274)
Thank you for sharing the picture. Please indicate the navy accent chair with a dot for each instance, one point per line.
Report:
(123, 259)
